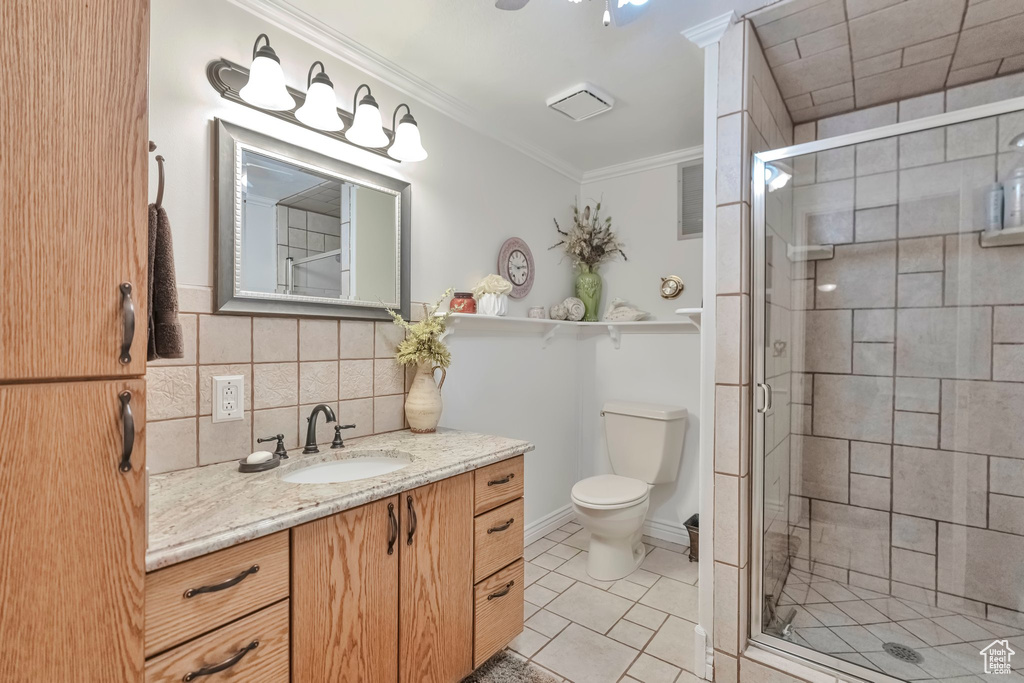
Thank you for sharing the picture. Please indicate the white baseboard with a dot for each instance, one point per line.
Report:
(666, 531)
(548, 523)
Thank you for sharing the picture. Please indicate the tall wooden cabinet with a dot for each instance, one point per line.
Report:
(73, 174)
(73, 161)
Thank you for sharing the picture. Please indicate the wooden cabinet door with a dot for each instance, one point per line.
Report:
(345, 596)
(436, 624)
(72, 533)
(73, 185)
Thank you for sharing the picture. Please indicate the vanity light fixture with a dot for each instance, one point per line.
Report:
(266, 88)
(1017, 142)
(407, 145)
(367, 129)
(607, 18)
(320, 110)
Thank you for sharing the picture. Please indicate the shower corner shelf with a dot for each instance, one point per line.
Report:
(809, 252)
(1006, 237)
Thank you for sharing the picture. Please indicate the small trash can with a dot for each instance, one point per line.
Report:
(693, 529)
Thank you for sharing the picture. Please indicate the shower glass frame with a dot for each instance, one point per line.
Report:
(759, 346)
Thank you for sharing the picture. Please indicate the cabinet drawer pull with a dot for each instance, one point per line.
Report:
(128, 319)
(503, 592)
(412, 520)
(192, 592)
(504, 480)
(393, 532)
(501, 527)
(226, 664)
(128, 424)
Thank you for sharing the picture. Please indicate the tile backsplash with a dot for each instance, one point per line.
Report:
(289, 366)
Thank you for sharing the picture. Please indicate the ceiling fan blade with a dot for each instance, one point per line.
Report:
(511, 4)
(627, 14)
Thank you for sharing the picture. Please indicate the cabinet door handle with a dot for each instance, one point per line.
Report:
(393, 532)
(501, 527)
(192, 592)
(226, 664)
(128, 318)
(128, 424)
(504, 480)
(503, 592)
(412, 519)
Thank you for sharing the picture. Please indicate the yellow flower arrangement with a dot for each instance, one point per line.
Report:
(422, 343)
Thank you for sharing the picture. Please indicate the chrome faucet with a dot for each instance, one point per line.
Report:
(311, 427)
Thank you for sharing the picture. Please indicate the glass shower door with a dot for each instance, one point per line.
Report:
(889, 435)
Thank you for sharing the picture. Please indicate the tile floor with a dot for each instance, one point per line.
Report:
(581, 630)
(852, 623)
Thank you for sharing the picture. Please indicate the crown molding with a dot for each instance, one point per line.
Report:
(315, 32)
(639, 165)
(710, 31)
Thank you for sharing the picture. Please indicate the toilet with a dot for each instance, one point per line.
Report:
(645, 445)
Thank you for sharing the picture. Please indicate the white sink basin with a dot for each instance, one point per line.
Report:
(351, 468)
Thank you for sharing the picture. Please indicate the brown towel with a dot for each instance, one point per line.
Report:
(165, 337)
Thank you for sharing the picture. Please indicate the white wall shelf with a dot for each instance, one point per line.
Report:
(1002, 238)
(691, 314)
(548, 328)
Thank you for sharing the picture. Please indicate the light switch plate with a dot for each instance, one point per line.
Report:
(228, 398)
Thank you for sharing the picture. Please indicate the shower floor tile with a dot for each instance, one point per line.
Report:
(853, 624)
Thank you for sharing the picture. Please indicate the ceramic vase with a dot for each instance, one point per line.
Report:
(588, 290)
(423, 405)
(492, 304)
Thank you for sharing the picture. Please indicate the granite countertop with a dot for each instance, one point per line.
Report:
(197, 511)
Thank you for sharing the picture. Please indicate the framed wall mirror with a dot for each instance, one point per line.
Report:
(300, 233)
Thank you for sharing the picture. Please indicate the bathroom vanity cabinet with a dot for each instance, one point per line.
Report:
(419, 587)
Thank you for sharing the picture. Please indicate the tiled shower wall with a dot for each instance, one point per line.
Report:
(908, 447)
(289, 366)
(751, 119)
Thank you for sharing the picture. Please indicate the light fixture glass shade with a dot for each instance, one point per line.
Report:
(367, 130)
(320, 110)
(265, 88)
(407, 145)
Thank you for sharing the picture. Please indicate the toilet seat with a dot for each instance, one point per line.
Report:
(609, 492)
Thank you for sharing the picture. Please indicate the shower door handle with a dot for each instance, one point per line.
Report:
(767, 405)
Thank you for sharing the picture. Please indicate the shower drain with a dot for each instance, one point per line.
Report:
(903, 653)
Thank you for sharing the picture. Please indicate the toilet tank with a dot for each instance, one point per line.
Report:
(645, 440)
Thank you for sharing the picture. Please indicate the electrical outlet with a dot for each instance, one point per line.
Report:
(228, 401)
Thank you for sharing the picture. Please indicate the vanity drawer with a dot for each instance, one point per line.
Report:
(233, 588)
(251, 650)
(498, 612)
(497, 484)
(497, 539)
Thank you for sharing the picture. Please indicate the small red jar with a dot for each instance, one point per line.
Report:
(463, 302)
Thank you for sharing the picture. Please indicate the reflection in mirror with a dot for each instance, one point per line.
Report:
(307, 234)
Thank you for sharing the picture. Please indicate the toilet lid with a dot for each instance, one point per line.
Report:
(609, 489)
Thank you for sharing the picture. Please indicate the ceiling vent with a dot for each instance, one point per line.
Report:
(581, 102)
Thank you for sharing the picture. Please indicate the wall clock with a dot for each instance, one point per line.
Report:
(515, 264)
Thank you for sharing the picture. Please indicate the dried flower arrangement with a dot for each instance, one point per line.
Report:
(422, 343)
(589, 242)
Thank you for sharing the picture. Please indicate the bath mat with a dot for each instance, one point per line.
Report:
(505, 667)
